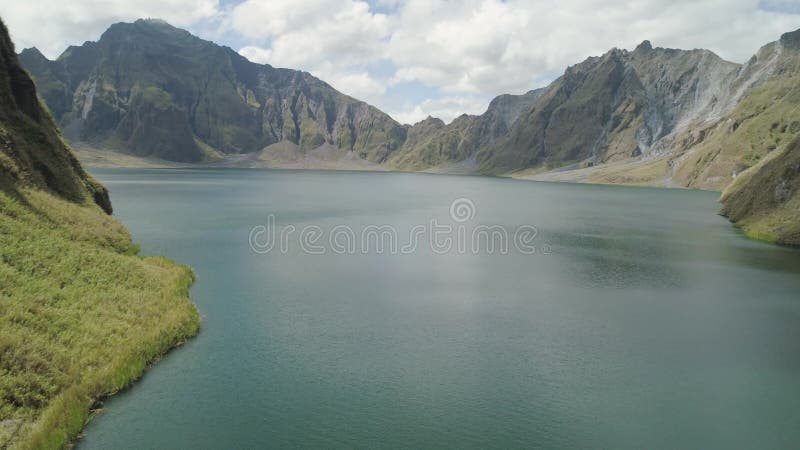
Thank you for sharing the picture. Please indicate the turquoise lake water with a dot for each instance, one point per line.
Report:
(641, 320)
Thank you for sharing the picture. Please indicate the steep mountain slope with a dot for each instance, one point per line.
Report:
(614, 107)
(764, 132)
(32, 152)
(51, 80)
(720, 129)
(431, 143)
(154, 90)
(80, 315)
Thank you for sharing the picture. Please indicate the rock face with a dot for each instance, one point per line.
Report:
(32, 153)
(150, 89)
(610, 108)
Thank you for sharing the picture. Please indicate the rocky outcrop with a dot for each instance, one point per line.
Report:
(142, 82)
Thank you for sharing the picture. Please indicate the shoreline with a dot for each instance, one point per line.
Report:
(554, 176)
(117, 314)
(61, 424)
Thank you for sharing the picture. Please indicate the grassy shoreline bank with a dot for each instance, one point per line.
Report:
(81, 316)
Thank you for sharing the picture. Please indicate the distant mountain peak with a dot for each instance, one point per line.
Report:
(32, 51)
(156, 27)
(431, 120)
(644, 46)
(791, 39)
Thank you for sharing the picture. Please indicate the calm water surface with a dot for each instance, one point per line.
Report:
(651, 323)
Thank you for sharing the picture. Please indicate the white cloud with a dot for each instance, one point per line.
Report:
(460, 48)
(265, 18)
(52, 25)
(445, 108)
(333, 39)
(357, 84)
(487, 47)
(306, 34)
(256, 54)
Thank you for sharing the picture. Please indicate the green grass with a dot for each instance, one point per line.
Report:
(81, 316)
(759, 234)
(776, 226)
(159, 98)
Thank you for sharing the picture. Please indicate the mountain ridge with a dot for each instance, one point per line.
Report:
(450, 145)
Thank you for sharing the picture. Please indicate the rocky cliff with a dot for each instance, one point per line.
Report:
(150, 89)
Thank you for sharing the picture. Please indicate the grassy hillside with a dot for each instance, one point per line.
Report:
(81, 315)
(765, 200)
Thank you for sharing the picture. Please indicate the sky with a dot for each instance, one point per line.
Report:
(414, 58)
